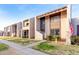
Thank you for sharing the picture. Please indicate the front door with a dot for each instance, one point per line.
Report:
(42, 24)
(26, 33)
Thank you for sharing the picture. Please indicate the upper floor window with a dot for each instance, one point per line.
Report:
(27, 24)
(55, 17)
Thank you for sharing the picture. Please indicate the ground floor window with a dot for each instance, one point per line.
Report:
(55, 31)
(26, 34)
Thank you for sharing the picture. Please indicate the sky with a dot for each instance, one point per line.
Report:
(13, 13)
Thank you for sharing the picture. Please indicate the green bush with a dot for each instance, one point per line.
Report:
(75, 40)
(50, 38)
(3, 46)
(53, 37)
(57, 37)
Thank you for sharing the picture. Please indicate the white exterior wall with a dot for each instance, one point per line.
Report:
(47, 26)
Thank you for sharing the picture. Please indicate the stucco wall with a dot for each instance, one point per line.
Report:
(47, 26)
(32, 28)
(65, 30)
(63, 24)
(19, 29)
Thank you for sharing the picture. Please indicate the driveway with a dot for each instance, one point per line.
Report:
(24, 50)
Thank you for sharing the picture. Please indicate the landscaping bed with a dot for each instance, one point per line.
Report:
(3, 47)
(56, 49)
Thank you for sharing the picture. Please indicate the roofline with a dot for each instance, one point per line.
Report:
(57, 9)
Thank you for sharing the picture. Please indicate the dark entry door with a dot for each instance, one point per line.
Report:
(42, 24)
(78, 30)
(26, 33)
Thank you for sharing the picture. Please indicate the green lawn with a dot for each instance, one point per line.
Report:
(56, 49)
(10, 38)
(23, 41)
(3, 47)
(16, 39)
(20, 41)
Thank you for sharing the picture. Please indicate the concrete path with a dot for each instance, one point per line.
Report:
(24, 50)
(35, 43)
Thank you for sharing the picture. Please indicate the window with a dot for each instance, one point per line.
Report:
(54, 18)
(26, 33)
(42, 24)
(55, 31)
(27, 24)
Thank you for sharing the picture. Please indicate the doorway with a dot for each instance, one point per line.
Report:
(78, 30)
(26, 33)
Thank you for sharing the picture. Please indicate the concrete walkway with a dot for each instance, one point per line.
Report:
(24, 50)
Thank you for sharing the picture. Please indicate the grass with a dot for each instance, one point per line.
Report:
(3, 47)
(22, 41)
(2, 37)
(56, 49)
(10, 38)
(45, 46)
(19, 40)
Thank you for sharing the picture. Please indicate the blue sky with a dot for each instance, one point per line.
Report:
(12, 13)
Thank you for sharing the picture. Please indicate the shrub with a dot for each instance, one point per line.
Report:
(53, 37)
(50, 38)
(75, 40)
(57, 37)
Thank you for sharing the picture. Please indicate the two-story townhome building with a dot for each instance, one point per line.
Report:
(28, 28)
(7, 31)
(55, 22)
